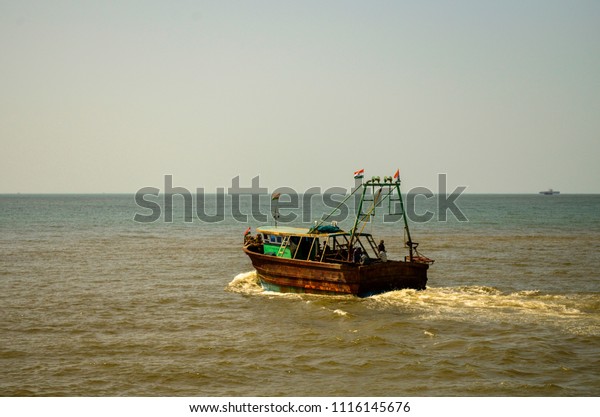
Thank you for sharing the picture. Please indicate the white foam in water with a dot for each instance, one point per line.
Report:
(245, 283)
(477, 303)
(466, 303)
(248, 283)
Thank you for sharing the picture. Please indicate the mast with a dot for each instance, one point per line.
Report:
(409, 241)
(357, 220)
(392, 185)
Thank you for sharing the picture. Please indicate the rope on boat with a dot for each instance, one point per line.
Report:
(333, 211)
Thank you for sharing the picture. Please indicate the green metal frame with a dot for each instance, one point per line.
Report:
(364, 217)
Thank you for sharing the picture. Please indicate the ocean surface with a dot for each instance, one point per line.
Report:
(93, 303)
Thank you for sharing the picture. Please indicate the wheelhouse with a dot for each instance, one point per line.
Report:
(305, 244)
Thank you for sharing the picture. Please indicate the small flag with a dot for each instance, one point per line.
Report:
(359, 174)
(247, 231)
(275, 196)
(397, 175)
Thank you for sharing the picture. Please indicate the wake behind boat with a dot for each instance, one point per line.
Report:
(325, 259)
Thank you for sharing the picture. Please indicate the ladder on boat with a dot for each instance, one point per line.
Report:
(284, 244)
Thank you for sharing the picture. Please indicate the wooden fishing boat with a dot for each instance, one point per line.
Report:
(325, 259)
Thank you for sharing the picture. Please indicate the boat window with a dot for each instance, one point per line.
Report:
(274, 239)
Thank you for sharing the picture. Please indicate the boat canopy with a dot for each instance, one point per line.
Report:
(320, 231)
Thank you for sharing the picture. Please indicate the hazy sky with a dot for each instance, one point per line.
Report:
(110, 96)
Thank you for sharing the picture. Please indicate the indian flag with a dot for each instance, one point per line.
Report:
(359, 174)
(397, 175)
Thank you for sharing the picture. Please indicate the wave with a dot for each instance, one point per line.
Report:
(245, 283)
(578, 313)
(575, 312)
(485, 298)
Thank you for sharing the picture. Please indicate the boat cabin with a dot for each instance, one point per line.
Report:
(323, 244)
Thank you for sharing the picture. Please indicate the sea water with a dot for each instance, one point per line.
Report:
(93, 303)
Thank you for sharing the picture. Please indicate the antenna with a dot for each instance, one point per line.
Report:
(275, 210)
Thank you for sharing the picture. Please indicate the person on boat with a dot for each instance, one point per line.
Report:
(293, 245)
(357, 254)
(323, 251)
(364, 259)
(382, 252)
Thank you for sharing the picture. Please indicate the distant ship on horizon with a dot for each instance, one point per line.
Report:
(550, 191)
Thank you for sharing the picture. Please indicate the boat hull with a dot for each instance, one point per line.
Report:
(299, 276)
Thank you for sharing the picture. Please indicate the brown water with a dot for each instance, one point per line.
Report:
(93, 304)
